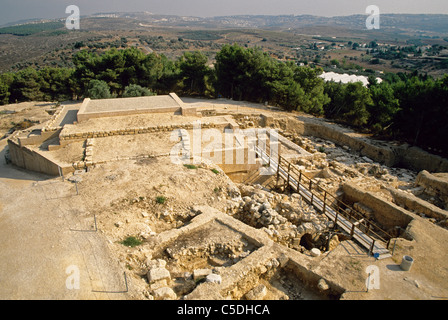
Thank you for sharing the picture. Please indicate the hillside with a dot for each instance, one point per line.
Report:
(420, 24)
(407, 43)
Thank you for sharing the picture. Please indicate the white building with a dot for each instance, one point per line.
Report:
(346, 78)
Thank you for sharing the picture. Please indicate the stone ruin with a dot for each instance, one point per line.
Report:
(261, 244)
(218, 257)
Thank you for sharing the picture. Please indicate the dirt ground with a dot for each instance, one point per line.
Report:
(47, 228)
(35, 112)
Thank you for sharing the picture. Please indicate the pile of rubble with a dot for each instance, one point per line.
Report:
(159, 279)
(284, 218)
(217, 254)
(166, 285)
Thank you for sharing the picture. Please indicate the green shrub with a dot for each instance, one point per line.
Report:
(98, 89)
(134, 90)
(161, 200)
(131, 242)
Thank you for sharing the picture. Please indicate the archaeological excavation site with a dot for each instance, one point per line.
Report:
(168, 198)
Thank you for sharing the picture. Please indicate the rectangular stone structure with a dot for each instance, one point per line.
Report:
(128, 106)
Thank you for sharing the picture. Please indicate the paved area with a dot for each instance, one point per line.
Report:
(40, 254)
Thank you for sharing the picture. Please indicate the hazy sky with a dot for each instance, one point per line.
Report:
(13, 10)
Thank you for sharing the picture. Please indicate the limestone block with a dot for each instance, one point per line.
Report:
(157, 274)
(214, 278)
(257, 293)
(323, 285)
(158, 284)
(201, 273)
(153, 264)
(164, 293)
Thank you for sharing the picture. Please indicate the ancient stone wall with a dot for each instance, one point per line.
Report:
(67, 135)
(419, 206)
(241, 279)
(434, 184)
(417, 159)
(34, 161)
(387, 214)
(428, 180)
(402, 155)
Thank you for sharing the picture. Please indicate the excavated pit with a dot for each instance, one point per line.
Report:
(283, 280)
(288, 284)
(210, 247)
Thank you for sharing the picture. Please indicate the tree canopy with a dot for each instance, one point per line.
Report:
(409, 107)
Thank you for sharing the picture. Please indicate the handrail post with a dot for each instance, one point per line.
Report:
(289, 168)
(325, 202)
(371, 247)
(352, 232)
(368, 228)
(336, 218)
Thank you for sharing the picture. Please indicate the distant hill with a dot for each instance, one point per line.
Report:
(32, 28)
(416, 23)
(411, 24)
(303, 38)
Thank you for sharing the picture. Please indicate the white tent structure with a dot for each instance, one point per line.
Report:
(346, 78)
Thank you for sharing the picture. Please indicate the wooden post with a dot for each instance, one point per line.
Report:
(325, 202)
(289, 168)
(312, 196)
(371, 247)
(352, 232)
(311, 184)
(336, 218)
(368, 227)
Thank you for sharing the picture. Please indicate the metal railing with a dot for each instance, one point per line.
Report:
(342, 214)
